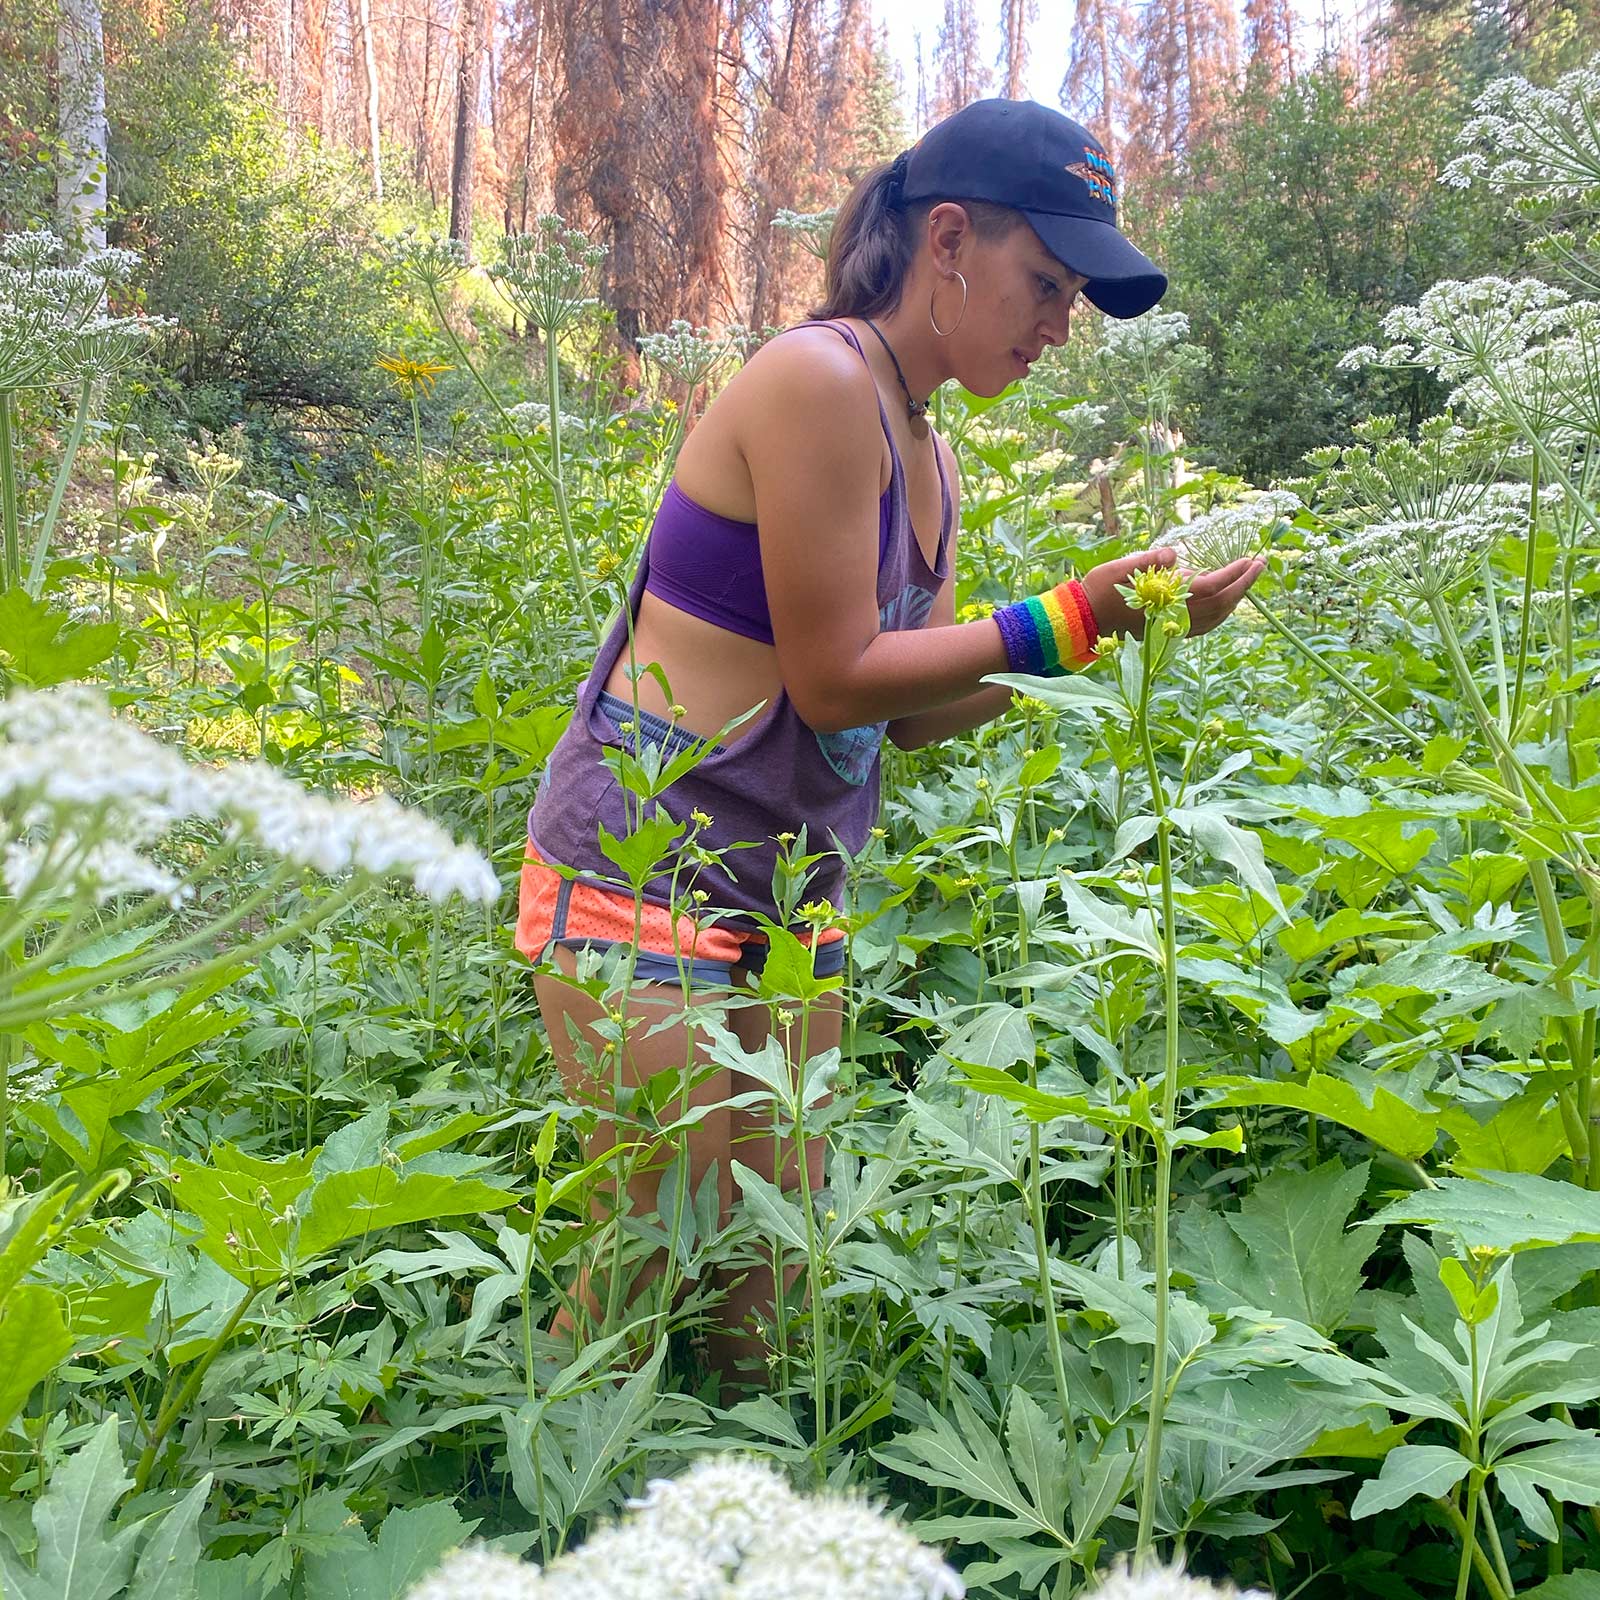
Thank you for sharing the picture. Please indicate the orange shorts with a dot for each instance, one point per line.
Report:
(578, 915)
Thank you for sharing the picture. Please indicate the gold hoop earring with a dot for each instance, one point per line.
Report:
(944, 333)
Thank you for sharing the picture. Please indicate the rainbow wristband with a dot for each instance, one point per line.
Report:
(1049, 634)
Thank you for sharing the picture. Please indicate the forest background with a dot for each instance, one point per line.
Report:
(254, 154)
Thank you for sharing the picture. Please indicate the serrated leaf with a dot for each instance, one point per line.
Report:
(1503, 1211)
(80, 1557)
(1294, 1257)
(410, 1544)
(352, 1205)
(1409, 1471)
(34, 1340)
(1388, 1120)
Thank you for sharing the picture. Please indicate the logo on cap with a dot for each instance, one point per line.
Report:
(1098, 173)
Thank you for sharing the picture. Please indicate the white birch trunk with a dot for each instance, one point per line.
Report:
(370, 62)
(81, 121)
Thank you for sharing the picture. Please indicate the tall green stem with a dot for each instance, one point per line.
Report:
(1150, 663)
(41, 543)
(552, 367)
(174, 1406)
(8, 495)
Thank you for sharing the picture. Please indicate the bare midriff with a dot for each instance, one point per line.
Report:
(715, 675)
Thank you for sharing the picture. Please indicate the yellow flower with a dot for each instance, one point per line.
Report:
(413, 377)
(701, 819)
(606, 565)
(1157, 588)
(819, 913)
(1108, 644)
(678, 712)
(880, 833)
(787, 838)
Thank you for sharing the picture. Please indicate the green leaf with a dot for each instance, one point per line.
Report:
(410, 1544)
(1524, 1135)
(1583, 1585)
(1388, 1120)
(1227, 842)
(170, 1557)
(998, 1036)
(352, 1205)
(33, 1341)
(1568, 1468)
(1502, 1211)
(1111, 924)
(1408, 1471)
(241, 1203)
(79, 1558)
(1039, 1454)
(42, 646)
(768, 1205)
(1290, 1254)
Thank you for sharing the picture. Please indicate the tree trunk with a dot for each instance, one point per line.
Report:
(81, 120)
(369, 62)
(464, 153)
(1108, 136)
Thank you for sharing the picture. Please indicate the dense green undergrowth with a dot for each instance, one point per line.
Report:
(1213, 1158)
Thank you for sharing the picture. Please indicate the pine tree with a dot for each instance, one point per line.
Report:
(1015, 16)
(1095, 88)
(1269, 41)
(960, 76)
(1188, 54)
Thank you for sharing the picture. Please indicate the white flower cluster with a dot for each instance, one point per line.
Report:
(533, 416)
(1230, 533)
(53, 324)
(729, 1529)
(690, 354)
(86, 793)
(430, 260)
(1420, 557)
(1143, 337)
(1459, 330)
(1165, 1583)
(1533, 142)
(814, 229)
(547, 275)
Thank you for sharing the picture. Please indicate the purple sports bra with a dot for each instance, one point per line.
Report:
(710, 565)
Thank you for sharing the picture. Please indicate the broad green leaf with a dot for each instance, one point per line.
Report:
(1111, 924)
(1290, 1253)
(1231, 844)
(1568, 1468)
(998, 1036)
(1305, 938)
(34, 1341)
(1502, 1211)
(1408, 1471)
(410, 1544)
(171, 1555)
(1524, 1135)
(1584, 1585)
(43, 647)
(1388, 1120)
(352, 1205)
(1038, 1453)
(241, 1203)
(79, 1556)
(769, 1206)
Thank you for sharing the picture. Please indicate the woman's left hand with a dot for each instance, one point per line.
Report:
(1211, 599)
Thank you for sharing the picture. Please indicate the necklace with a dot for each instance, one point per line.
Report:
(916, 410)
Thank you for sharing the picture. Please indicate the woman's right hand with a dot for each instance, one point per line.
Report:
(1211, 599)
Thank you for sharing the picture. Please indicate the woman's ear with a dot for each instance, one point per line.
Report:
(949, 227)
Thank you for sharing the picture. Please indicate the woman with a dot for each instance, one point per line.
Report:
(763, 585)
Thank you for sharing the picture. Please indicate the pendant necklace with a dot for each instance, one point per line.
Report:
(916, 410)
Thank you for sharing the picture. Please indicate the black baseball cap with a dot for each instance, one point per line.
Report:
(1021, 154)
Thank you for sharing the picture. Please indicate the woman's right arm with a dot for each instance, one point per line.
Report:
(811, 437)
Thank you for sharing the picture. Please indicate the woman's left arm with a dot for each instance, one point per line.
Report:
(994, 700)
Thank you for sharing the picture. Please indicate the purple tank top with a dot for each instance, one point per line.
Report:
(779, 775)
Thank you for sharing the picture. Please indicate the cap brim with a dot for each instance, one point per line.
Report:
(1123, 280)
